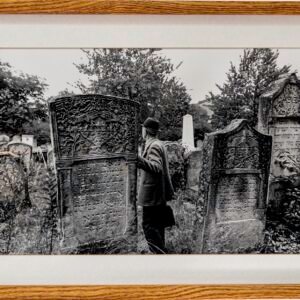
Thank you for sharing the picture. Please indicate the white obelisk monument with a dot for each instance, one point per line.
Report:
(188, 131)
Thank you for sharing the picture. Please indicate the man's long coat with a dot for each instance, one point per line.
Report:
(155, 184)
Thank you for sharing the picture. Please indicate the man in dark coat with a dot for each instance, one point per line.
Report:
(155, 188)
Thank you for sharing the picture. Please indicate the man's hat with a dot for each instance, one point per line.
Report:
(151, 125)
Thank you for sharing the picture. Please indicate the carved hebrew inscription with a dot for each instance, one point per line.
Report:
(95, 126)
(287, 104)
(99, 192)
(237, 197)
(286, 147)
(95, 146)
(241, 151)
(235, 190)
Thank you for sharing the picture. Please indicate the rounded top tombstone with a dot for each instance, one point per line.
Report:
(88, 126)
(16, 139)
(4, 138)
(95, 149)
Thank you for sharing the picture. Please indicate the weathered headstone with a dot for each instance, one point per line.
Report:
(279, 116)
(16, 139)
(29, 139)
(175, 152)
(4, 140)
(40, 154)
(50, 158)
(11, 187)
(188, 131)
(193, 167)
(24, 151)
(95, 147)
(11, 177)
(200, 144)
(233, 186)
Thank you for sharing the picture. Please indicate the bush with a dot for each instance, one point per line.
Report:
(283, 224)
(182, 238)
(176, 164)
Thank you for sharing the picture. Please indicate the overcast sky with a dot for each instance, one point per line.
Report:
(200, 70)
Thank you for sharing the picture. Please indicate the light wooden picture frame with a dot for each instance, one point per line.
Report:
(191, 7)
(170, 7)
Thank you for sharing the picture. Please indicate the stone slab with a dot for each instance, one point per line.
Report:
(279, 116)
(95, 147)
(233, 186)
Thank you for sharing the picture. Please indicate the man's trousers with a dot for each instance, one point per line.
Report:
(154, 228)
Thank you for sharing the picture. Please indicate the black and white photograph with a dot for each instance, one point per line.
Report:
(149, 151)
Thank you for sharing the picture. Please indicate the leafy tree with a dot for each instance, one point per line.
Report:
(65, 93)
(238, 96)
(21, 100)
(142, 75)
(40, 129)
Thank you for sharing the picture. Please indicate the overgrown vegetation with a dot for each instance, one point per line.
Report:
(238, 95)
(143, 75)
(182, 238)
(27, 228)
(283, 224)
(23, 108)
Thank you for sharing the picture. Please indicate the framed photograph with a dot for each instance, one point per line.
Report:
(149, 155)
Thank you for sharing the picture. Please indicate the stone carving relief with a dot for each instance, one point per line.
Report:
(236, 189)
(95, 143)
(240, 152)
(287, 103)
(95, 126)
(237, 197)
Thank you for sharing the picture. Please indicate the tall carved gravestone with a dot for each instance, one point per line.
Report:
(279, 116)
(95, 147)
(233, 186)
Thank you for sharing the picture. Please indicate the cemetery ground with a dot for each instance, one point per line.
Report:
(28, 226)
(33, 228)
(237, 193)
